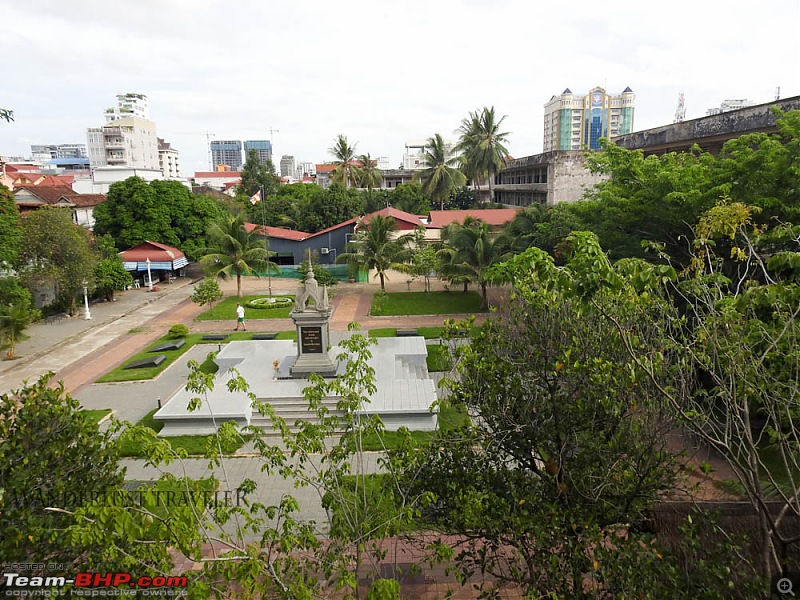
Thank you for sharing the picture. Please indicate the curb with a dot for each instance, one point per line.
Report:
(33, 357)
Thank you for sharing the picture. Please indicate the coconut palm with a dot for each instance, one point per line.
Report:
(472, 251)
(482, 145)
(233, 251)
(345, 170)
(369, 175)
(374, 247)
(14, 320)
(441, 176)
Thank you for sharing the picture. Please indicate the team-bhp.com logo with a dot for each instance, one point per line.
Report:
(156, 585)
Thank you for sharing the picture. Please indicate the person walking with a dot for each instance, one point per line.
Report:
(240, 317)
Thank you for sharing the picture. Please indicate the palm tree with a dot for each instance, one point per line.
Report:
(14, 320)
(234, 252)
(369, 175)
(344, 153)
(374, 248)
(528, 228)
(482, 145)
(440, 177)
(472, 251)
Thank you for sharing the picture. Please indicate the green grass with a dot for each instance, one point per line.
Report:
(450, 417)
(287, 335)
(226, 310)
(195, 445)
(160, 496)
(432, 333)
(382, 332)
(121, 374)
(95, 416)
(439, 358)
(425, 303)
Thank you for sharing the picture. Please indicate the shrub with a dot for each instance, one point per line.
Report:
(270, 303)
(179, 330)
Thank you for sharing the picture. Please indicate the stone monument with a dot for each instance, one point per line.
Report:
(311, 315)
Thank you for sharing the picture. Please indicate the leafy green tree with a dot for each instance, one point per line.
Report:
(161, 211)
(569, 440)
(110, 275)
(330, 207)
(482, 145)
(345, 172)
(233, 252)
(321, 274)
(206, 292)
(9, 229)
(258, 176)
(52, 461)
(440, 176)
(407, 197)
(56, 250)
(375, 247)
(472, 251)
(462, 199)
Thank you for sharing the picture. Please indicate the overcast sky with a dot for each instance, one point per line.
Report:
(380, 72)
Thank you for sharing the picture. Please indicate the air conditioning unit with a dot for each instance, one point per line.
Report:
(324, 250)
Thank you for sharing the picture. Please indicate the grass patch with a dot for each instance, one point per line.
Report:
(382, 332)
(226, 310)
(95, 416)
(160, 497)
(121, 374)
(425, 303)
(439, 358)
(433, 333)
(287, 335)
(195, 445)
(391, 439)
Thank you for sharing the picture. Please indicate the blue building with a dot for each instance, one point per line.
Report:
(227, 153)
(262, 147)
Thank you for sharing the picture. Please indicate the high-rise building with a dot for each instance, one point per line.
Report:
(573, 122)
(226, 153)
(262, 147)
(168, 160)
(128, 105)
(45, 152)
(728, 105)
(124, 142)
(288, 168)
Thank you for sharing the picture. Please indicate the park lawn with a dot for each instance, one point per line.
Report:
(95, 416)
(383, 332)
(450, 417)
(226, 310)
(121, 374)
(425, 303)
(195, 445)
(439, 358)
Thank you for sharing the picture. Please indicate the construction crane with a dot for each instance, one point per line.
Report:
(680, 112)
(778, 93)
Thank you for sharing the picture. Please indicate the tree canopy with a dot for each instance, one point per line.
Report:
(9, 228)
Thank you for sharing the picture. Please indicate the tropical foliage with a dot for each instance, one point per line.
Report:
(440, 176)
(376, 247)
(345, 172)
(482, 146)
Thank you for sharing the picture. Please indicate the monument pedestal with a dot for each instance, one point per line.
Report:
(311, 315)
(312, 345)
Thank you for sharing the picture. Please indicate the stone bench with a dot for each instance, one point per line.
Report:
(406, 332)
(264, 336)
(169, 346)
(215, 336)
(153, 361)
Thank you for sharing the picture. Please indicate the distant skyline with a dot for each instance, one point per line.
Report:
(380, 72)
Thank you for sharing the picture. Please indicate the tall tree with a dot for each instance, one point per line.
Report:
(56, 250)
(233, 252)
(329, 207)
(369, 175)
(159, 211)
(441, 177)
(473, 251)
(482, 145)
(258, 176)
(9, 228)
(375, 247)
(344, 154)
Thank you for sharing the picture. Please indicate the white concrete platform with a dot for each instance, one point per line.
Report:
(404, 395)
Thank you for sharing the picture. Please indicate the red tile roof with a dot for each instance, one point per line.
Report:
(491, 216)
(153, 250)
(49, 194)
(278, 232)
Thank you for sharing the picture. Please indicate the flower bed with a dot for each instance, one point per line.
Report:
(271, 303)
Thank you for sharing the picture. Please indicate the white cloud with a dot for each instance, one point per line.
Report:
(381, 71)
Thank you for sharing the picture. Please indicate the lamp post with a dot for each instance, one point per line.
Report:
(86, 314)
(149, 276)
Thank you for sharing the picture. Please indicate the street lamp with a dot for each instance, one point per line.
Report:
(86, 314)
(149, 276)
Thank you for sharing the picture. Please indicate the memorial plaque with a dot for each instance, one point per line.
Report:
(311, 340)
